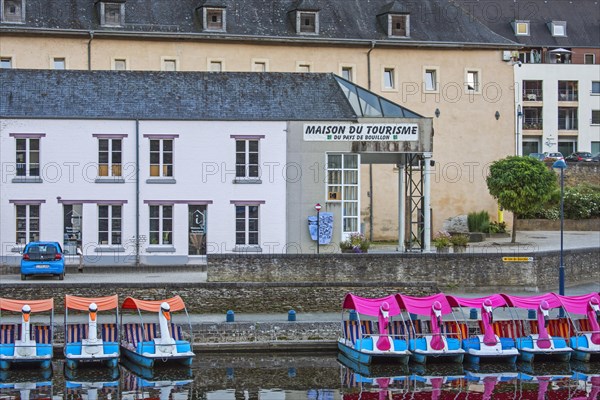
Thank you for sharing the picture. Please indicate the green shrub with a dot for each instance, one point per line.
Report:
(478, 221)
(497, 227)
(580, 202)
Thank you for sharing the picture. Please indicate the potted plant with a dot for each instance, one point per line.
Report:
(441, 241)
(459, 242)
(356, 243)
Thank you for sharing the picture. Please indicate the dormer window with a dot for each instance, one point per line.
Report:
(521, 28)
(307, 22)
(13, 11)
(214, 19)
(398, 25)
(558, 28)
(112, 13)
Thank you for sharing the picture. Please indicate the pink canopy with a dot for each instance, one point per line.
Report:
(370, 307)
(577, 304)
(422, 305)
(476, 302)
(532, 302)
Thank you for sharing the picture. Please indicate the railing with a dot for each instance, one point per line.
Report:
(567, 96)
(567, 124)
(533, 123)
(532, 94)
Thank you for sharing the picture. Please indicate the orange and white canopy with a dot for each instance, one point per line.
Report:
(176, 304)
(83, 303)
(17, 305)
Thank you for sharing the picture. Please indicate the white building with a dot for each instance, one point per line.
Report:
(140, 168)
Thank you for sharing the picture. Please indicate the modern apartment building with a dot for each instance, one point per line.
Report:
(557, 71)
(430, 56)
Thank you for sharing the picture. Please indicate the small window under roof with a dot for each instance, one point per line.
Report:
(368, 104)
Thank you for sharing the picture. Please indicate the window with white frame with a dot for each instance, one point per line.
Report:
(112, 14)
(5, 63)
(246, 158)
(110, 157)
(169, 65)
(472, 83)
(595, 87)
(343, 186)
(303, 68)
(307, 22)
(28, 157)
(259, 66)
(120, 64)
(589, 58)
(595, 117)
(431, 84)
(214, 19)
(161, 157)
(246, 225)
(348, 73)
(110, 220)
(521, 28)
(59, 63)
(161, 224)
(27, 223)
(13, 11)
(389, 78)
(558, 28)
(215, 66)
(398, 25)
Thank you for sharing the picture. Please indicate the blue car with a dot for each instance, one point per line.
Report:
(43, 258)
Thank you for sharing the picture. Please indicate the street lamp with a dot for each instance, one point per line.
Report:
(519, 121)
(318, 208)
(561, 164)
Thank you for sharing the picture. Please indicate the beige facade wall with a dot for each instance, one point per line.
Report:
(468, 136)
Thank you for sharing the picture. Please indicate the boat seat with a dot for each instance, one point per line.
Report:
(76, 332)
(109, 332)
(399, 329)
(506, 329)
(135, 333)
(457, 330)
(42, 334)
(351, 329)
(7, 333)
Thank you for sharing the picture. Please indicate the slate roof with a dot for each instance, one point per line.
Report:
(582, 17)
(433, 22)
(172, 95)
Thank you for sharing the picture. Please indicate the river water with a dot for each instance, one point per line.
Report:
(303, 376)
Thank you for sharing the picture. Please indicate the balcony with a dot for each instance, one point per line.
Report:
(532, 94)
(567, 96)
(536, 124)
(567, 124)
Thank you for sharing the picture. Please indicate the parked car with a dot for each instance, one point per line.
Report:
(43, 258)
(596, 158)
(580, 156)
(537, 156)
(555, 156)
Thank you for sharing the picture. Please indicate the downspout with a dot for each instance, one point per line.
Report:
(370, 164)
(369, 63)
(89, 50)
(137, 192)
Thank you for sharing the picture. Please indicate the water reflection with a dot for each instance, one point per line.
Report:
(305, 377)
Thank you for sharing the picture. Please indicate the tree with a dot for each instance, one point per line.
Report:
(521, 185)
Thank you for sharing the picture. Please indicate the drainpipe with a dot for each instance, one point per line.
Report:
(369, 63)
(89, 49)
(137, 192)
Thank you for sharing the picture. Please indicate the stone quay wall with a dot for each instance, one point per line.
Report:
(471, 272)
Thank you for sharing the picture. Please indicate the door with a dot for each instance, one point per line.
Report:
(197, 230)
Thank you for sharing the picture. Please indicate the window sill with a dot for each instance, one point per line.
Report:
(388, 89)
(247, 248)
(164, 181)
(110, 179)
(248, 181)
(109, 249)
(27, 179)
(160, 248)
